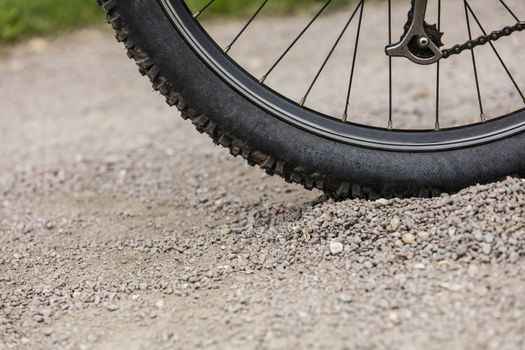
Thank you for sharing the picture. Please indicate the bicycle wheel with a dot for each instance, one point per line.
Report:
(328, 99)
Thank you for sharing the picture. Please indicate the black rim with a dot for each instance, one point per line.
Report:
(322, 125)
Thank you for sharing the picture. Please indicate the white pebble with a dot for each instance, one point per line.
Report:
(408, 238)
(395, 223)
(336, 247)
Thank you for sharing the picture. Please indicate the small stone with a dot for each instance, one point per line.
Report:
(47, 331)
(302, 314)
(368, 264)
(226, 230)
(461, 250)
(326, 217)
(423, 236)
(408, 238)
(453, 287)
(473, 270)
(478, 236)
(160, 304)
(112, 307)
(382, 201)
(452, 231)
(336, 247)
(45, 312)
(393, 316)
(395, 223)
(345, 298)
(486, 248)
(419, 266)
(514, 257)
(489, 238)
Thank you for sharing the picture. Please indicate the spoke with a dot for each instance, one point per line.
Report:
(327, 58)
(496, 52)
(347, 105)
(474, 66)
(263, 4)
(509, 10)
(390, 65)
(198, 13)
(438, 72)
(305, 29)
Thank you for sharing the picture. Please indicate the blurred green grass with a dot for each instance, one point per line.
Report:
(22, 19)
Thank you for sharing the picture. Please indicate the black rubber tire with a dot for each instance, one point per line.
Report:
(298, 156)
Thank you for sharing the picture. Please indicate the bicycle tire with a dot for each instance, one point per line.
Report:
(299, 156)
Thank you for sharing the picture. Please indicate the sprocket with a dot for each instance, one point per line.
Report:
(431, 30)
(434, 34)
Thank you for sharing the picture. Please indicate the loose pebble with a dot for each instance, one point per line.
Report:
(408, 238)
(112, 307)
(423, 236)
(345, 298)
(160, 304)
(336, 247)
(395, 222)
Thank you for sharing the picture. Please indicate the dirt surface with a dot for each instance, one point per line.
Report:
(122, 228)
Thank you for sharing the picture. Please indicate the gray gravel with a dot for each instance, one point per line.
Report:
(121, 228)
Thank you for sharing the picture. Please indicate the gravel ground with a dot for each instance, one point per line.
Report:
(122, 228)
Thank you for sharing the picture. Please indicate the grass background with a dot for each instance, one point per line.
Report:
(21, 19)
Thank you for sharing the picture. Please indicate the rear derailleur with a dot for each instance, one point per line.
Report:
(421, 42)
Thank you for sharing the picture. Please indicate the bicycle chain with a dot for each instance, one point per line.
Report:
(484, 39)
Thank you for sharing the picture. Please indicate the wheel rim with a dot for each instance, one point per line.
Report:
(324, 125)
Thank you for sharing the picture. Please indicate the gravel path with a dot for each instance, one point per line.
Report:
(122, 228)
